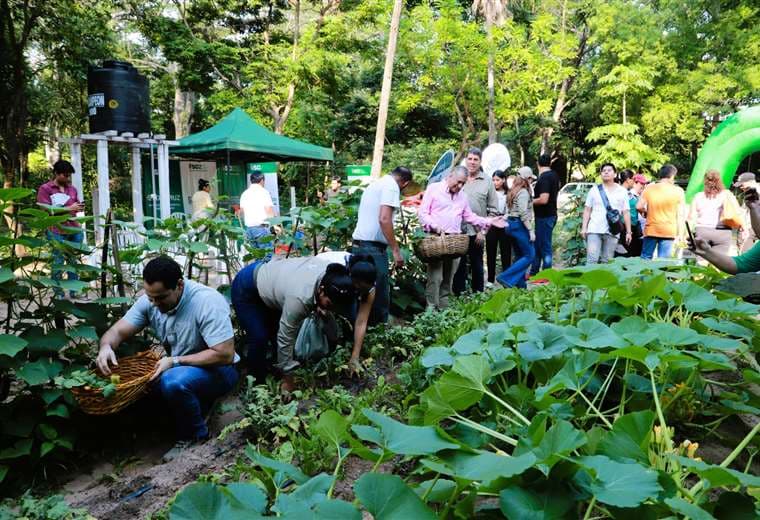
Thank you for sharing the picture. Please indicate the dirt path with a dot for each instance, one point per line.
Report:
(138, 483)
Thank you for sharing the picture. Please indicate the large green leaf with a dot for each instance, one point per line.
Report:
(727, 327)
(11, 194)
(20, 448)
(474, 369)
(694, 297)
(207, 501)
(5, 274)
(450, 394)
(402, 439)
(635, 330)
(558, 442)
(326, 510)
(689, 510)
(670, 334)
(630, 437)
(598, 279)
(306, 496)
(543, 341)
(11, 345)
(470, 343)
(332, 427)
(619, 484)
(591, 333)
(44, 341)
(436, 357)
(86, 332)
(39, 372)
(716, 476)
(387, 497)
(485, 465)
(282, 470)
(524, 504)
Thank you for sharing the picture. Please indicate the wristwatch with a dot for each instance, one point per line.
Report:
(175, 361)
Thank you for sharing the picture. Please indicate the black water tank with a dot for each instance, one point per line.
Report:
(118, 98)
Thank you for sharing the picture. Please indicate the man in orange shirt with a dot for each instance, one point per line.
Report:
(664, 206)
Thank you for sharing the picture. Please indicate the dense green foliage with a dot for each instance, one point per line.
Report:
(583, 399)
(634, 82)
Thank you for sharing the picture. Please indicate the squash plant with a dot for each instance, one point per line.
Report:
(566, 413)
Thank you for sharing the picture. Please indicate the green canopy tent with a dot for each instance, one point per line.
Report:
(238, 141)
(238, 135)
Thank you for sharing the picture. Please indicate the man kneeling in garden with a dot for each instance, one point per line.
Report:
(193, 322)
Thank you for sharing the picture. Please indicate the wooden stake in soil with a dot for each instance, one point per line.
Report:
(104, 257)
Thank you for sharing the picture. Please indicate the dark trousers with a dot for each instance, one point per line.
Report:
(189, 391)
(259, 322)
(633, 249)
(497, 239)
(379, 254)
(543, 244)
(474, 259)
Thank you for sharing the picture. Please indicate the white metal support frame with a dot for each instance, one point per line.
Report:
(102, 141)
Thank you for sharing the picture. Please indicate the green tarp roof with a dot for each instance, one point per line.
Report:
(239, 133)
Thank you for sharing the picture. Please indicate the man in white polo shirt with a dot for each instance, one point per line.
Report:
(255, 208)
(374, 233)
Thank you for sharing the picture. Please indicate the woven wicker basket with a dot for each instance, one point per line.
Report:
(134, 371)
(437, 247)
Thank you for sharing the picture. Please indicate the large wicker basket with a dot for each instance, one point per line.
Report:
(438, 247)
(134, 372)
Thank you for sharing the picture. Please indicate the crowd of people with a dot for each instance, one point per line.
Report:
(509, 218)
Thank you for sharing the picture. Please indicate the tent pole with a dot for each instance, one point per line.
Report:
(153, 184)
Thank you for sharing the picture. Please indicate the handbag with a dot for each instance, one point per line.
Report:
(314, 338)
(614, 218)
(731, 216)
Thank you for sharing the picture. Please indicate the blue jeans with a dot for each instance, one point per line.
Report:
(255, 234)
(514, 276)
(474, 258)
(381, 307)
(544, 230)
(664, 247)
(259, 322)
(189, 391)
(60, 257)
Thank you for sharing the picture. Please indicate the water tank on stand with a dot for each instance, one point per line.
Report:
(118, 98)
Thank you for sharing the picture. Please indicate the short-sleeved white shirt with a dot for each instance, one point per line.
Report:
(382, 192)
(254, 202)
(618, 198)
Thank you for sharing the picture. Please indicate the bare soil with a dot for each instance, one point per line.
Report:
(136, 483)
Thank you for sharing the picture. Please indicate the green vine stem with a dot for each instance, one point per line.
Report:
(731, 456)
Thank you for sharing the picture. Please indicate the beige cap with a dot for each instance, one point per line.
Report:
(525, 172)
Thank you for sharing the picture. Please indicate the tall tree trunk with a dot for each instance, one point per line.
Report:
(280, 113)
(385, 91)
(489, 8)
(184, 110)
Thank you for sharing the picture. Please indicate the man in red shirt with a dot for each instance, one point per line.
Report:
(59, 193)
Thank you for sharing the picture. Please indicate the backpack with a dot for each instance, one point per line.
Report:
(614, 218)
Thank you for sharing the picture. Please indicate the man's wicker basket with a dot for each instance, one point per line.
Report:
(438, 247)
(134, 373)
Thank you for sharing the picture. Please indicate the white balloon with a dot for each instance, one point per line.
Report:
(495, 157)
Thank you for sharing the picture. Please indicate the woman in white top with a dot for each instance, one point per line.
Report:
(497, 238)
(203, 206)
(706, 213)
(600, 240)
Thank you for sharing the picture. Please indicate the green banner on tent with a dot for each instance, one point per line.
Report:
(263, 167)
(358, 170)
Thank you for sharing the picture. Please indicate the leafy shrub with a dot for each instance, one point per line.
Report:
(48, 508)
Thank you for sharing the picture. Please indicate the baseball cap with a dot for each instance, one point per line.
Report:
(525, 172)
(745, 177)
(640, 179)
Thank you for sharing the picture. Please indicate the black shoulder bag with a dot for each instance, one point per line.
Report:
(614, 219)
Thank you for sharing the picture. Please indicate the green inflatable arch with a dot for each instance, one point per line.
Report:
(733, 140)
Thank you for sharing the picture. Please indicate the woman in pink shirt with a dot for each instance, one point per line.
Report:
(444, 207)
